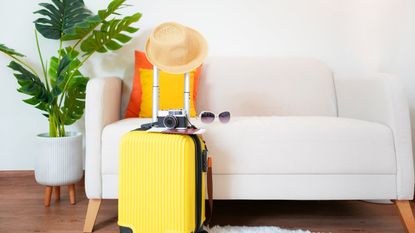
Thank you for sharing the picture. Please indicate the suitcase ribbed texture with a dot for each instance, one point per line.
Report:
(157, 183)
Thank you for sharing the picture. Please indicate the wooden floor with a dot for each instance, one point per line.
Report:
(21, 210)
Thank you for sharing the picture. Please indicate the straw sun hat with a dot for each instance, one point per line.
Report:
(175, 48)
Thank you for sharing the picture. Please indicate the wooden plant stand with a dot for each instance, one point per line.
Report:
(48, 194)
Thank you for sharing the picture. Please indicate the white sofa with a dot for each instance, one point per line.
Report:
(297, 133)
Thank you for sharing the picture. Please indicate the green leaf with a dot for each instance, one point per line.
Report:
(61, 75)
(111, 36)
(60, 16)
(122, 38)
(53, 70)
(83, 28)
(31, 85)
(131, 29)
(74, 102)
(32, 101)
(111, 9)
(9, 51)
(61, 70)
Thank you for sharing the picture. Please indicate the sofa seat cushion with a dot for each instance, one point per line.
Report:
(282, 145)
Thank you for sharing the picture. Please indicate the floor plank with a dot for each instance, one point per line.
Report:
(22, 210)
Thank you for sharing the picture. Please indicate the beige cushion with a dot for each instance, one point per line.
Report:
(267, 86)
(282, 145)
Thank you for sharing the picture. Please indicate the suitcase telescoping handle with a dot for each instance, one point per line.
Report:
(156, 93)
(186, 100)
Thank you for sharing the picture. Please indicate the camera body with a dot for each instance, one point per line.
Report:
(172, 119)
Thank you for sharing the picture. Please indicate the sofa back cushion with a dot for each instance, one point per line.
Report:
(267, 86)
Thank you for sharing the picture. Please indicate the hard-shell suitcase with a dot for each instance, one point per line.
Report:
(162, 178)
(162, 183)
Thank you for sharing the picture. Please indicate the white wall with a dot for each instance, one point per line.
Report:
(352, 37)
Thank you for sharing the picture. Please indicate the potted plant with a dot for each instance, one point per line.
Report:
(58, 90)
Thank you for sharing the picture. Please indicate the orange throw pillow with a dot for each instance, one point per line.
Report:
(141, 62)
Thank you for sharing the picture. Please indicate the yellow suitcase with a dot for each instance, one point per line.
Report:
(162, 183)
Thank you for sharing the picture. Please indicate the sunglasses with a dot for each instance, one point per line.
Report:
(209, 117)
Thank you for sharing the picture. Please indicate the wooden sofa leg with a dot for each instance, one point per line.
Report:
(407, 216)
(91, 214)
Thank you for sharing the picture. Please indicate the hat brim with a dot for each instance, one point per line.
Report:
(191, 65)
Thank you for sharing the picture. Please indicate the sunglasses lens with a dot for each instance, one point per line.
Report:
(225, 117)
(207, 117)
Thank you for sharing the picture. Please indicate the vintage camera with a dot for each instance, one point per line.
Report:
(172, 119)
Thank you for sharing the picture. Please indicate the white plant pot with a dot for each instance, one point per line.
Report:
(59, 159)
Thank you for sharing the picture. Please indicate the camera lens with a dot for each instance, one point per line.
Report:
(170, 122)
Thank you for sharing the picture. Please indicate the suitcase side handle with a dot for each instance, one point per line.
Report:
(210, 192)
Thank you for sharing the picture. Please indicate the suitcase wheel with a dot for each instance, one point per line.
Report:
(125, 230)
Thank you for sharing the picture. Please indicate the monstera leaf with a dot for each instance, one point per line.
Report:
(74, 102)
(72, 57)
(69, 82)
(111, 9)
(60, 16)
(83, 28)
(63, 70)
(111, 36)
(31, 85)
(9, 51)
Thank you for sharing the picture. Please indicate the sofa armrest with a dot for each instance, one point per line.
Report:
(103, 100)
(381, 99)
